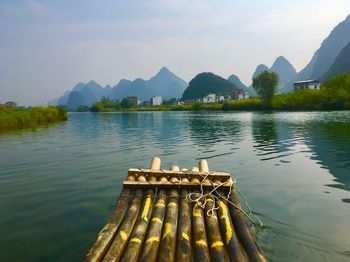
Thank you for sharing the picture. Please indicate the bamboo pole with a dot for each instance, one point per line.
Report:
(235, 249)
(184, 238)
(107, 234)
(152, 241)
(123, 234)
(195, 169)
(246, 237)
(203, 166)
(155, 163)
(167, 247)
(133, 249)
(175, 168)
(217, 247)
(200, 242)
(200, 248)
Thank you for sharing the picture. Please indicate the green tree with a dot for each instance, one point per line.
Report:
(337, 92)
(265, 85)
(11, 104)
(171, 101)
(128, 103)
(107, 102)
(97, 107)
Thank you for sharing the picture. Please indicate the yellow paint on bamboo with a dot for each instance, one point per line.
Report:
(172, 204)
(152, 239)
(217, 244)
(123, 235)
(159, 204)
(156, 219)
(201, 243)
(196, 211)
(135, 240)
(146, 209)
(226, 219)
(185, 236)
(167, 230)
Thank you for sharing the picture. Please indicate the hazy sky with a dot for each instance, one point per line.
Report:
(46, 47)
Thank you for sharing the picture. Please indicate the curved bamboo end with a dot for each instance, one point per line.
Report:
(155, 163)
(203, 166)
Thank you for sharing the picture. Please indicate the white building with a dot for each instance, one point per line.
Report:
(209, 98)
(156, 101)
(220, 98)
(244, 95)
(240, 94)
(307, 84)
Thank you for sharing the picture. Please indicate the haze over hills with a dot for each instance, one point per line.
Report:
(325, 56)
(237, 82)
(340, 65)
(259, 69)
(331, 58)
(330, 48)
(284, 69)
(164, 83)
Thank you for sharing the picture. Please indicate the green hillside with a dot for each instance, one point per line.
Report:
(208, 83)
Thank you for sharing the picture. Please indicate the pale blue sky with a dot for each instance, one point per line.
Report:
(46, 47)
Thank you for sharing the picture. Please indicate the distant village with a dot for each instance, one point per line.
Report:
(212, 98)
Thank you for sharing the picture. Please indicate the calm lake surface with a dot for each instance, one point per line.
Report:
(58, 185)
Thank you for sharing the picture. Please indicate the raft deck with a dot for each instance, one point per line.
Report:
(176, 215)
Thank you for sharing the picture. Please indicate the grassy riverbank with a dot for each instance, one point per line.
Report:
(18, 117)
(334, 95)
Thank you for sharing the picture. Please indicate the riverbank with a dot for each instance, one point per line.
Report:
(333, 95)
(19, 118)
(303, 100)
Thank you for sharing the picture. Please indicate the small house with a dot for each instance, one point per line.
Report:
(307, 84)
(220, 98)
(156, 101)
(240, 94)
(210, 98)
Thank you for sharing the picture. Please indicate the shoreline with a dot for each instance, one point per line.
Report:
(17, 118)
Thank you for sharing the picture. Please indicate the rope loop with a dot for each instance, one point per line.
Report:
(214, 195)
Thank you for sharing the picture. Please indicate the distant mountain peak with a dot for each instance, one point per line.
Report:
(233, 77)
(164, 72)
(282, 65)
(238, 83)
(164, 83)
(281, 59)
(164, 69)
(92, 82)
(262, 66)
(330, 48)
(259, 69)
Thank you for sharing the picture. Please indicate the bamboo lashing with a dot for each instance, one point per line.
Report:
(176, 214)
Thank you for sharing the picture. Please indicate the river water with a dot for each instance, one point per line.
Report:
(58, 184)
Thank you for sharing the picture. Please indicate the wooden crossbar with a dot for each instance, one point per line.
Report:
(181, 174)
(168, 184)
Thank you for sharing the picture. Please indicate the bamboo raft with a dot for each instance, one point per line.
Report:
(155, 220)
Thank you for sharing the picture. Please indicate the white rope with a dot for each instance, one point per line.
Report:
(201, 199)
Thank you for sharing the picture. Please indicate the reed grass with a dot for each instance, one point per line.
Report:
(19, 117)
